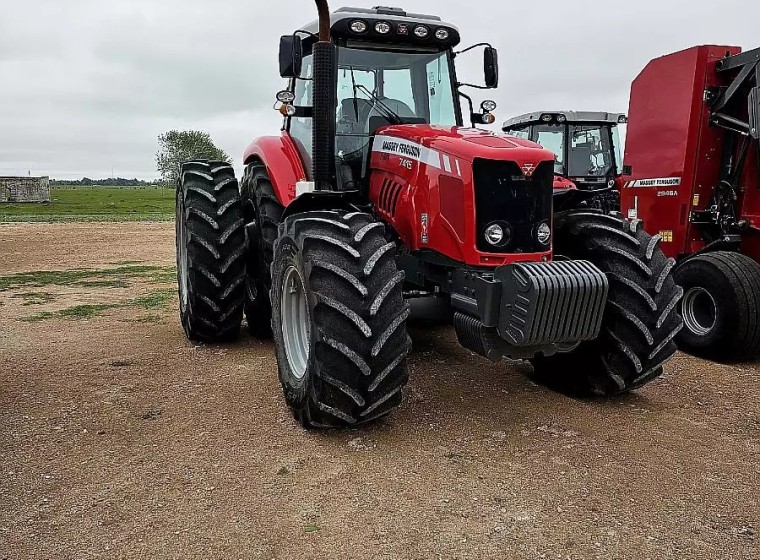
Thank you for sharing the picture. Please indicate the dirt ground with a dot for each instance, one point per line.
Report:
(120, 439)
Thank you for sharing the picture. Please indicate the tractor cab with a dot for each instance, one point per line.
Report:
(390, 67)
(587, 144)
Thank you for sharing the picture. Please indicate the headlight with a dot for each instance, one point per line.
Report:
(498, 234)
(442, 34)
(561, 118)
(383, 28)
(495, 234)
(488, 106)
(546, 118)
(421, 31)
(611, 183)
(286, 97)
(544, 233)
(358, 26)
(488, 118)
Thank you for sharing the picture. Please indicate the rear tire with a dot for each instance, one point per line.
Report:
(721, 306)
(640, 318)
(210, 251)
(263, 214)
(339, 319)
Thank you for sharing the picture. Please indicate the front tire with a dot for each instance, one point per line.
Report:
(339, 319)
(640, 318)
(210, 252)
(721, 306)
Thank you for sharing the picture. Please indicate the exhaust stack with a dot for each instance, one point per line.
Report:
(325, 78)
(324, 21)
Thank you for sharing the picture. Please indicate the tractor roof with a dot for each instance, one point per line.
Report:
(571, 117)
(402, 27)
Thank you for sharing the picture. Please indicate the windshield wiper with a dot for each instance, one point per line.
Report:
(391, 115)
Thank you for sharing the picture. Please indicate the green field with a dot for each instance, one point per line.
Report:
(90, 204)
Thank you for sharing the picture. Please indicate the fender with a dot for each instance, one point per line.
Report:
(282, 162)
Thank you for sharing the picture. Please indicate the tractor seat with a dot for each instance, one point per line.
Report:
(580, 159)
(348, 120)
(399, 107)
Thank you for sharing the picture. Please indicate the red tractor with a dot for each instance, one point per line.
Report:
(375, 192)
(692, 174)
(588, 150)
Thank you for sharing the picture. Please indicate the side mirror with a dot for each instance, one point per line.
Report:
(291, 56)
(491, 67)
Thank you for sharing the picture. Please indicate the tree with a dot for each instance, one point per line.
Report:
(176, 147)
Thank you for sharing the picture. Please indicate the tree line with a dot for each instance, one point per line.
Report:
(113, 182)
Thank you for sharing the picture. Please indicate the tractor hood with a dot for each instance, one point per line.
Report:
(466, 144)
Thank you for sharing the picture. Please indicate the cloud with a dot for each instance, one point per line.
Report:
(86, 85)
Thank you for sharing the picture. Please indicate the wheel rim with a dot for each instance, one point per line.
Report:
(295, 322)
(699, 311)
(182, 261)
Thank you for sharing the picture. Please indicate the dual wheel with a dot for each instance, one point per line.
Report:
(325, 285)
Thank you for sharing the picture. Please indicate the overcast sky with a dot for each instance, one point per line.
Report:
(87, 85)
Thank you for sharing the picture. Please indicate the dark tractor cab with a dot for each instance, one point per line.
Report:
(587, 146)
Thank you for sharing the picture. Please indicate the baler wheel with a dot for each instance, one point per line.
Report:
(339, 319)
(641, 319)
(263, 213)
(721, 306)
(210, 251)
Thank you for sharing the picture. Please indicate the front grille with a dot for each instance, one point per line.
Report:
(504, 194)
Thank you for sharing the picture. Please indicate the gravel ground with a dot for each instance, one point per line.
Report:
(120, 439)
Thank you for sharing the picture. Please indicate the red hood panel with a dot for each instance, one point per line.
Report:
(470, 143)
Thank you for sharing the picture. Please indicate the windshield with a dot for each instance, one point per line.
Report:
(381, 87)
(552, 137)
(412, 85)
(590, 151)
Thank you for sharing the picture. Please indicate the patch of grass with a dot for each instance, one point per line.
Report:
(156, 300)
(311, 528)
(84, 204)
(118, 283)
(108, 277)
(35, 298)
(92, 278)
(87, 311)
(145, 319)
(37, 317)
(152, 301)
(168, 274)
